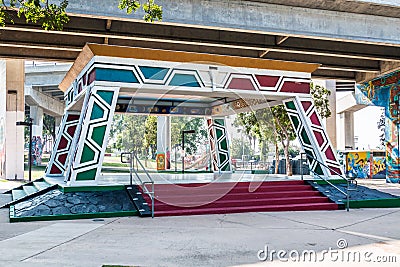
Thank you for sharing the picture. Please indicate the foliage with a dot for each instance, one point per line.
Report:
(150, 135)
(152, 10)
(53, 17)
(239, 147)
(321, 102)
(49, 124)
(192, 141)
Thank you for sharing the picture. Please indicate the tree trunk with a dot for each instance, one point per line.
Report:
(288, 163)
(276, 158)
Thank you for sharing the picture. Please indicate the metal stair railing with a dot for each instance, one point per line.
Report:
(131, 158)
(349, 181)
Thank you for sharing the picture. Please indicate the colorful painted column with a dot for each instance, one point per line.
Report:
(385, 92)
(312, 136)
(90, 142)
(218, 137)
(62, 146)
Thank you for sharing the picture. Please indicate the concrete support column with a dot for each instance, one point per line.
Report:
(36, 113)
(346, 130)
(331, 121)
(12, 110)
(57, 122)
(164, 140)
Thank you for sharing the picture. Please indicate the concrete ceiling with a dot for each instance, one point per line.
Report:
(339, 59)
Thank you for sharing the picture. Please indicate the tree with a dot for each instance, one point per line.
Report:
(239, 148)
(192, 141)
(53, 17)
(150, 135)
(49, 124)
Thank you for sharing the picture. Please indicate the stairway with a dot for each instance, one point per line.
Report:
(220, 198)
(26, 191)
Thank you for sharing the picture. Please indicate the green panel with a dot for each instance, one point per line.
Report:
(87, 154)
(295, 121)
(318, 169)
(68, 189)
(97, 112)
(106, 96)
(98, 135)
(375, 203)
(304, 137)
(219, 133)
(219, 122)
(87, 175)
(290, 105)
(226, 168)
(224, 144)
(222, 158)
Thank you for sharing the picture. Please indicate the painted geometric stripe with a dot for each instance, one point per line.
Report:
(65, 135)
(90, 150)
(219, 145)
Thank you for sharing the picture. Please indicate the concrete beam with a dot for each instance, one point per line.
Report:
(50, 105)
(253, 16)
(348, 103)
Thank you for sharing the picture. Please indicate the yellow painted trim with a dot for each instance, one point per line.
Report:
(91, 50)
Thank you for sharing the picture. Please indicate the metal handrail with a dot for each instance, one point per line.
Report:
(132, 157)
(348, 181)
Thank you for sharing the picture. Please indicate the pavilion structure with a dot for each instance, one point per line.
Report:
(107, 79)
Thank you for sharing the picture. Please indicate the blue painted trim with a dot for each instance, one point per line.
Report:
(153, 73)
(187, 80)
(115, 75)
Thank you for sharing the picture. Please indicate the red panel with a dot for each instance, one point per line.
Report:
(241, 84)
(314, 119)
(92, 76)
(267, 81)
(306, 105)
(84, 79)
(63, 143)
(80, 88)
(55, 170)
(329, 154)
(296, 87)
(335, 171)
(71, 130)
(72, 118)
(319, 137)
(62, 158)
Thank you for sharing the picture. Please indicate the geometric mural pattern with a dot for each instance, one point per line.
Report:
(90, 147)
(219, 145)
(62, 147)
(173, 77)
(312, 136)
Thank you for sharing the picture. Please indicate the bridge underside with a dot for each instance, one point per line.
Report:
(109, 79)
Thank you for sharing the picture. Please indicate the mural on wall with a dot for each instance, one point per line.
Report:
(37, 150)
(379, 167)
(2, 148)
(385, 92)
(358, 164)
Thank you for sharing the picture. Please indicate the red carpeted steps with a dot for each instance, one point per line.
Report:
(216, 198)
